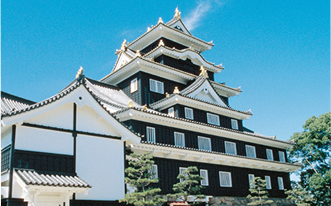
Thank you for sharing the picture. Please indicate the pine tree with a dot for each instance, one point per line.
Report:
(139, 177)
(189, 185)
(259, 194)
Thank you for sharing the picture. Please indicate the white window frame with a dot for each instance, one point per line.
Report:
(154, 172)
(158, 86)
(189, 113)
(213, 119)
(270, 154)
(181, 170)
(250, 179)
(230, 179)
(205, 181)
(234, 124)
(179, 135)
(268, 181)
(280, 183)
(150, 138)
(200, 146)
(281, 155)
(231, 143)
(171, 112)
(247, 147)
(134, 85)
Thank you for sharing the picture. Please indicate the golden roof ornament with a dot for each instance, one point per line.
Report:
(80, 76)
(167, 94)
(138, 53)
(274, 137)
(145, 107)
(161, 43)
(148, 29)
(152, 59)
(160, 20)
(177, 13)
(123, 47)
(203, 72)
(130, 105)
(176, 90)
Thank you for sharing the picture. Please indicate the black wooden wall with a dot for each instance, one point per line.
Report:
(165, 135)
(168, 171)
(167, 42)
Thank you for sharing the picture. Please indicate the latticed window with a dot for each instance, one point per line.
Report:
(153, 172)
(213, 119)
(156, 86)
(230, 148)
(189, 113)
(281, 156)
(5, 158)
(250, 180)
(204, 174)
(225, 179)
(179, 139)
(280, 183)
(250, 151)
(270, 155)
(234, 124)
(268, 180)
(171, 112)
(181, 170)
(150, 133)
(134, 85)
(204, 143)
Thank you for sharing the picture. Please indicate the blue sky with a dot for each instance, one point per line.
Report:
(277, 51)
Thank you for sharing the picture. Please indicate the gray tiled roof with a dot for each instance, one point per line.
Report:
(31, 177)
(11, 103)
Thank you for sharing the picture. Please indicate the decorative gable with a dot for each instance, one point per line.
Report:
(180, 26)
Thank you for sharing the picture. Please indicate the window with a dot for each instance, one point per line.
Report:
(153, 172)
(156, 86)
(204, 174)
(213, 119)
(281, 156)
(134, 85)
(204, 143)
(234, 124)
(179, 139)
(171, 112)
(268, 180)
(270, 155)
(189, 113)
(250, 151)
(181, 170)
(280, 183)
(150, 133)
(225, 179)
(230, 148)
(250, 180)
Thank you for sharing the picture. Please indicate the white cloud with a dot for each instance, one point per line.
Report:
(195, 17)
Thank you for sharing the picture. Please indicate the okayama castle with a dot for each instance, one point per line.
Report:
(160, 97)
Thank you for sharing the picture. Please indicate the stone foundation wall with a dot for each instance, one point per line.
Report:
(236, 201)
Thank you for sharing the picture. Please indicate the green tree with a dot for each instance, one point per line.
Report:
(189, 185)
(258, 192)
(139, 177)
(313, 149)
(298, 195)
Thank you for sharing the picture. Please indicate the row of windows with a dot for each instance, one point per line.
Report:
(211, 118)
(154, 86)
(224, 177)
(204, 143)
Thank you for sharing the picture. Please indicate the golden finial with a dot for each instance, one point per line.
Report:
(176, 90)
(148, 29)
(145, 107)
(161, 43)
(274, 137)
(80, 72)
(203, 72)
(152, 59)
(160, 20)
(138, 53)
(191, 47)
(123, 47)
(130, 105)
(167, 94)
(177, 13)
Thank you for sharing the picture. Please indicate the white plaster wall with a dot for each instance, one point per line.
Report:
(17, 189)
(5, 137)
(100, 162)
(206, 97)
(61, 117)
(91, 121)
(42, 140)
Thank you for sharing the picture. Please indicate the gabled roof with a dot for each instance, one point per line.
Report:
(178, 22)
(31, 177)
(11, 103)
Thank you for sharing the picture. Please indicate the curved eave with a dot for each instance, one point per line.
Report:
(227, 91)
(174, 21)
(162, 30)
(186, 124)
(199, 104)
(183, 54)
(218, 158)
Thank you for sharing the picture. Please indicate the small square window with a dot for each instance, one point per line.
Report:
(189, 113)
(150, 134)
(204, 143)
(230, 148)
(270, 155)
(250, 151)
(281, 156)
(134, 85)
(225, 179)
(213, 119)
(179, 139)
(156, 86)
(234, 124)
(171, 112)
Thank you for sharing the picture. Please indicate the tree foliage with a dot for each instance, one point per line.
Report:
(313, 149)
(258, 192)
(139, 177)
(189, 185)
